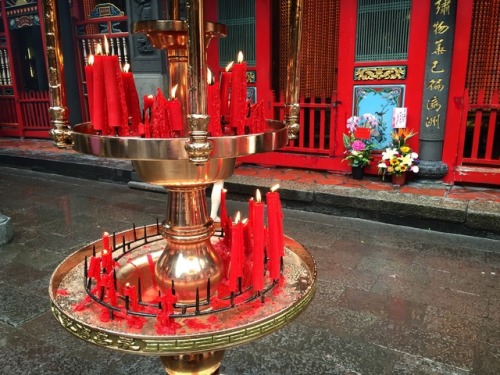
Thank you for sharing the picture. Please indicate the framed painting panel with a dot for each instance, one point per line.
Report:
(379, 100)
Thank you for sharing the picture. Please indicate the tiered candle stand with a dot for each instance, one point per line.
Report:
(177, 256)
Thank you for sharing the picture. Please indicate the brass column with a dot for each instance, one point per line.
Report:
(292, 88)
(59, 114)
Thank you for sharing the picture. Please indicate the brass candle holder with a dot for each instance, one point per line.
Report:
(185, 167)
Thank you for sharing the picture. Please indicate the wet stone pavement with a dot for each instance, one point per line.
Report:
(390, 299)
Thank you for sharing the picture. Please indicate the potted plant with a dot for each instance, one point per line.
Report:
(357, 142)
(397, 160)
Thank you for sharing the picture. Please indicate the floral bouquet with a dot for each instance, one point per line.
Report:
(399, 158)
(357, 141)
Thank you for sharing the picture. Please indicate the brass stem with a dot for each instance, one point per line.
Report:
(59, 114)
(189, 259)
(292, 88)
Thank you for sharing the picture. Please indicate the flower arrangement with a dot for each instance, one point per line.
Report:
(399, 158)
(357, 140)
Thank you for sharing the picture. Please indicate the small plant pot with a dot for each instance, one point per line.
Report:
(358, 172)
(398, 180)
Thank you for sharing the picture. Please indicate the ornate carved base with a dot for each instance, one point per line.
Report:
(433, 170)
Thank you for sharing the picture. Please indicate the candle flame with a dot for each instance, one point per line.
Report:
(258, 197)
(275, 187)
(229, 66)
(98, 49)
(91, 60)
(127, 285)
(126, 67)
(237, 217)
(209, 77)
(106, 45)
(240, 57)
(244, 221)
(174, 90)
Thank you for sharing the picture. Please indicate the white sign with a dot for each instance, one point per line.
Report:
(399, 117)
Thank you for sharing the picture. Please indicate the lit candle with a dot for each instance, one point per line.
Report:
(131, 97)
(238, 106)
(115, 93)
(89, 78)
(174, 113)
(105, 241)
(99, 119)
(131, 292)
(148, 106)
(224, 90)
(258, 243)
(236, 265)
(213, 104)
(146, 114)
(274, 217)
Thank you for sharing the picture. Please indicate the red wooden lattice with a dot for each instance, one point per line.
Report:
(35, 110)
(480, 143)
(317, 120)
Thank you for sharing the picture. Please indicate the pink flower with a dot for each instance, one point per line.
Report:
(358, 145)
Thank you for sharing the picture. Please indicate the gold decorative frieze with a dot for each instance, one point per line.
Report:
(371, 73)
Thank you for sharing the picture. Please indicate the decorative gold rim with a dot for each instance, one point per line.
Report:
(135, 148)
(172, 345)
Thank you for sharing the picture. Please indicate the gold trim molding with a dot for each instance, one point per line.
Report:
(371, 73)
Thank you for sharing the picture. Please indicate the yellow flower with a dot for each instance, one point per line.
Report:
(394, 161)
(403, 168)
(405, 149)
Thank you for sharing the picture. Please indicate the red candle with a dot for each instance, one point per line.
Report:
(109, 284)
(99, 96)
(238, 106)
(257, 121)
(107, 260)
(159, 125)
(131, 97)
(236, 265)
(95, 269)
(105, 241)
(115, 93)
(174, 114)
(131, 292)
(224, 220)
(275, 234)
(258, 243)
(148, 106)
(213, 103)
(167, 303)
(225, 83)
(89, 78)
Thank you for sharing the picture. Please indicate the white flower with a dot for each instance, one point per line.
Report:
(414, 169)
(389, 153)
(414, 155)
(382, 165)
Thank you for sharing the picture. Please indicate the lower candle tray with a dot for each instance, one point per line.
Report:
(197, 333)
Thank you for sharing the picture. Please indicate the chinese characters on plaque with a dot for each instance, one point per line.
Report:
(438, 66)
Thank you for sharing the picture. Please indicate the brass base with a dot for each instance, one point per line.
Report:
(207, 363)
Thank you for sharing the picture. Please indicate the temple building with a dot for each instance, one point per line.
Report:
(423, 60)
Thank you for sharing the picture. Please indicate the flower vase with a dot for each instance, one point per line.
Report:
(358, 172)
(398, 180)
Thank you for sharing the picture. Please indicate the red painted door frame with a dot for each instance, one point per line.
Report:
(415, 64)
